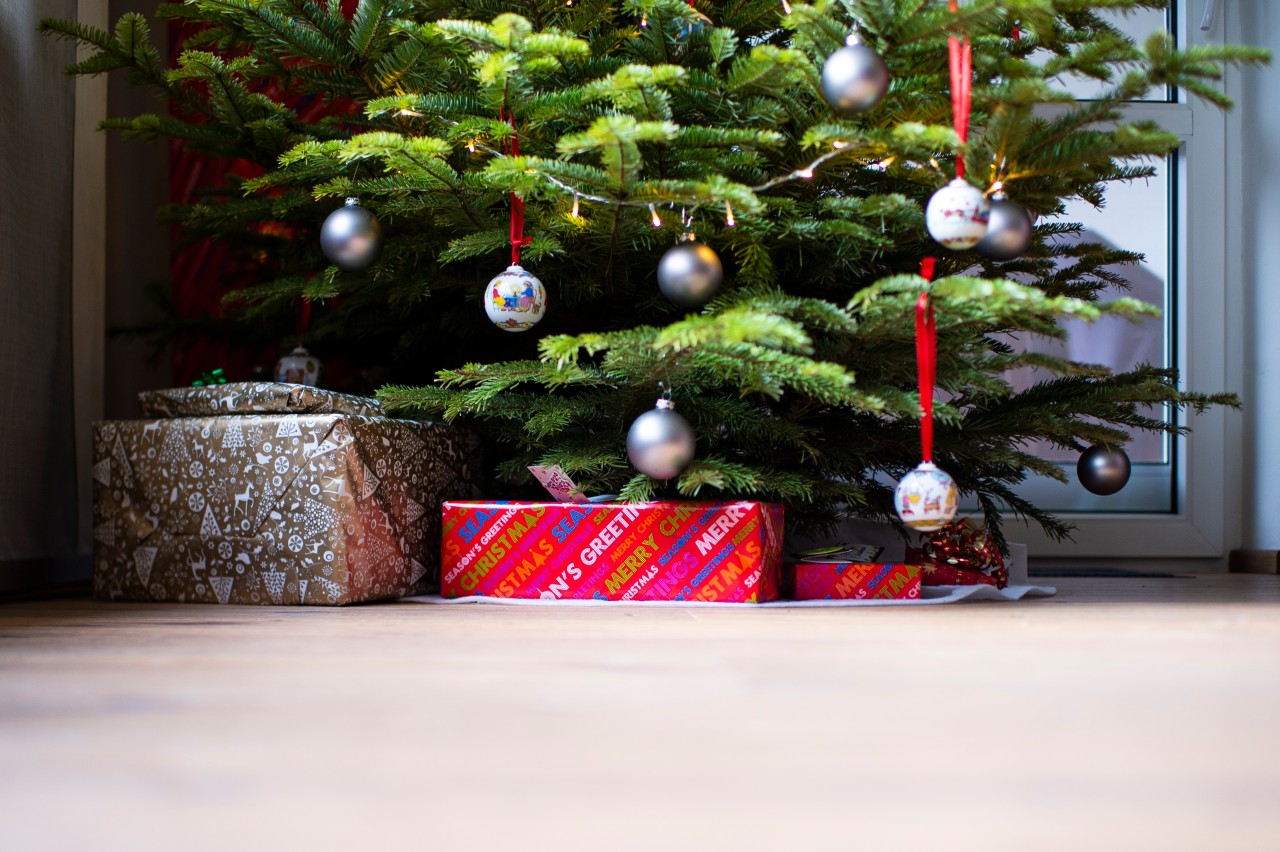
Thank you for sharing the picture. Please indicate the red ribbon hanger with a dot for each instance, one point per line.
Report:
(926, 361)
(960, 53)
(518, 239)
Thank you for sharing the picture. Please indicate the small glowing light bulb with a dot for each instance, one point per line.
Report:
(471, 145)
(729, 221)
(574, 211)
(657, 223)
(805, 173)
(839, 144)
(786, 7)
(644, 20)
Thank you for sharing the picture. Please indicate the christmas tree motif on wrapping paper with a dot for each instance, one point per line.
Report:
(413, 510)
(143, 559)
(122, 462)
(319, 518)
(105, 534)
(376, 550)
(233, 437)
(365, 482)
(410, 445)
(274, 581)
(289, 428)
(174, 449)
(417, 571)
(102, 472)
(222, 587)
(332, 590)
(302, 591)
(209, 526)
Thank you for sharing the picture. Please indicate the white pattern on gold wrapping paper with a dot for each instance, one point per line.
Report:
(105, 533)
(102, 472)
(233, 436)
(122, 463)
(222, 587)
(143, 559)
(209, 526)
(274, 583)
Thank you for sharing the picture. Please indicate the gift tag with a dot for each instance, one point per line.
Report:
(558, 483)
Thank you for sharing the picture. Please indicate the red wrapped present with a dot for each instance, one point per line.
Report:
(960, 554)
(854, 580)
(669, 551)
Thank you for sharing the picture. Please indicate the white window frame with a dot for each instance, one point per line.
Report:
(1204, 297)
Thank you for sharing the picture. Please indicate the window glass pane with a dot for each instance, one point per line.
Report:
(1137, 218)
(1138, 25)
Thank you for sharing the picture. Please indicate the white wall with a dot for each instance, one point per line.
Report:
(1254, 166)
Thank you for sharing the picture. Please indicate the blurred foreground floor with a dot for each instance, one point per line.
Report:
(1134, 714)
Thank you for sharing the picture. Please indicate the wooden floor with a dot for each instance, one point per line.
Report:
(1122, 714)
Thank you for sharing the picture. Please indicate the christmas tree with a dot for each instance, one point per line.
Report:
(635, 122)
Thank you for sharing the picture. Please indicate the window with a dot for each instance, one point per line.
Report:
(1173, 505)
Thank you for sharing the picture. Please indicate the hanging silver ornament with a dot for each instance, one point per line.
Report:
(1009, 230)
(690, 273)
(1103, 471)
(351, 237)
(854, 78)
(660, 442)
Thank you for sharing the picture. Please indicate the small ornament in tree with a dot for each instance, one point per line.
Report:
(1009, 230)
(690, 273)
(1103, 471)
(854, 78)
(926, 498)
(299, 367)
(351, 238)
(957, 215)
(515, 299)
(660, 443)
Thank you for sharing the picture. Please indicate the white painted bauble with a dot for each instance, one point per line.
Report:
(660, 442)
(957, 215)
(926, 498)
(299, 367)
(515, 300)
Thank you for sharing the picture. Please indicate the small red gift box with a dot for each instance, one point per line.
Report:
(671, 551)
(855, 580)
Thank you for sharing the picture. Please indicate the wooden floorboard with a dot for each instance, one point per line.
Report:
(1123, 713)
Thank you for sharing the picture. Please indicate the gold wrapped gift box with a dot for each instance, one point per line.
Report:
(322, 507)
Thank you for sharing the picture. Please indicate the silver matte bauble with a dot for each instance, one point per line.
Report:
(854, 78)
(956, 215)
(690, 273)
(1103, 471)
(351, 237)
(1009, 230)
(660, 442)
